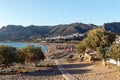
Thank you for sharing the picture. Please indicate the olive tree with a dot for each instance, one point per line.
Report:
(81, 47)
(99, 40)
(7, 55)
(114, 51)
(30, 54)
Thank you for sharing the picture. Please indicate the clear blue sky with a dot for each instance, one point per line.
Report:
(53, 12)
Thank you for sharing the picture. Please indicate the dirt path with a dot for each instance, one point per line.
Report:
(65, 74)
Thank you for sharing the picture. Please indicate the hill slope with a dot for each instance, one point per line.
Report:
(18, 32)
(114, 27)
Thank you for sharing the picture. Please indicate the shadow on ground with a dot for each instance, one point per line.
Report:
(76, 65)
(54, 71)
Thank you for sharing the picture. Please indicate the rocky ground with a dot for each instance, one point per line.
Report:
(43, 73)
(51, 74)
(91, 71)
(80, 70)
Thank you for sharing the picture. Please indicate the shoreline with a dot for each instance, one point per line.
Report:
(23, 44)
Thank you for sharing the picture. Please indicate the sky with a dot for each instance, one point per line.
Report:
(54, 12)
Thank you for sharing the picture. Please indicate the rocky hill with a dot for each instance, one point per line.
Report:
(18, 32)
(114, 27)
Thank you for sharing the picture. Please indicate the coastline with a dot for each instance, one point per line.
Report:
(24, 44)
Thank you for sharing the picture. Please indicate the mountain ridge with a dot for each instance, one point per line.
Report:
(19, 32)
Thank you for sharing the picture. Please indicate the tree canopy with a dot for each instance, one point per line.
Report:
(98, 40)
(7, 55)
(114, 51)
(30, 54)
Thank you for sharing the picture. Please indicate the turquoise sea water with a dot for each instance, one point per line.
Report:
(21, 45)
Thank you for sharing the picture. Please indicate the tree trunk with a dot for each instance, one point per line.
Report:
(103, 62)
(89, 58)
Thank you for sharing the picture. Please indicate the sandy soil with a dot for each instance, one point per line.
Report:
(91, 71)
(80, 70)
(42, 73)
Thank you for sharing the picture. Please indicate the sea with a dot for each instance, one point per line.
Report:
(22, 44)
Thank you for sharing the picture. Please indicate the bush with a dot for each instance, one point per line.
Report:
(49, 65)
(8, 55)
(30, 54)
(39, 65)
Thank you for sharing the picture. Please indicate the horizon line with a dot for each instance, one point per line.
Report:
(56, 24)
